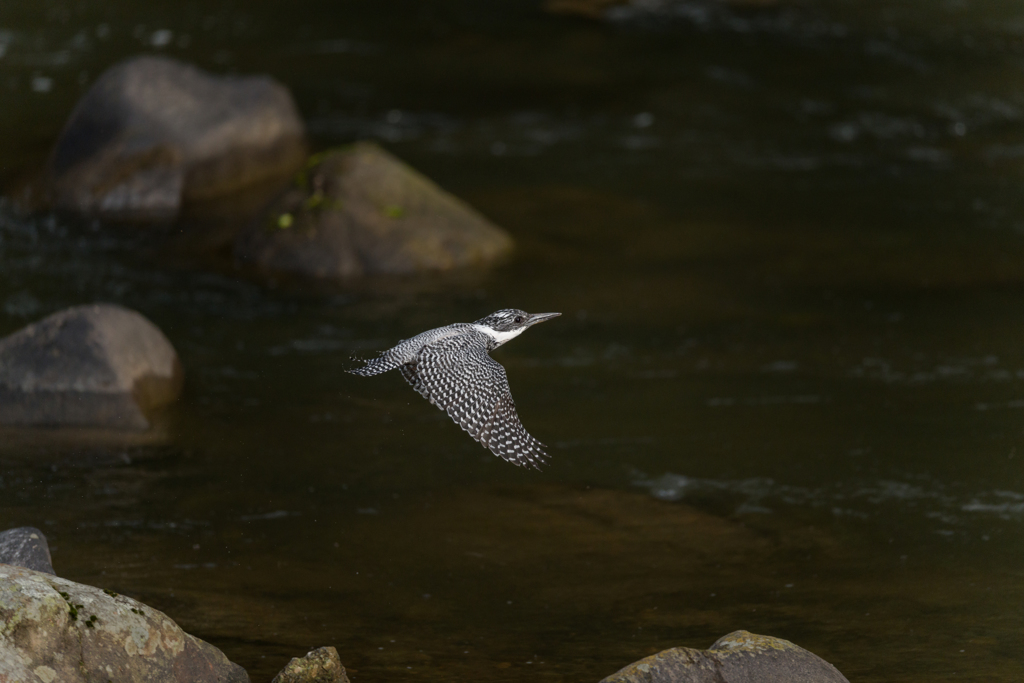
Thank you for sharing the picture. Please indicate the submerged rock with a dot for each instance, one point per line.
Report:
(60, 631)
(322, 665)
(152, 132)
(360, 211)
(99, 365)
(25, 547)
(739, 657)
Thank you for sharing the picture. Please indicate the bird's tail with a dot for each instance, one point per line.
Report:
(376, 366)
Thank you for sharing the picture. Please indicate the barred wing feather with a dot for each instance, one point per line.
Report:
(457, 375)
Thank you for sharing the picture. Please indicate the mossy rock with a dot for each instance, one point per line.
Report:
(740, 657)
(321, 665)
(57, 631)
(360, 211)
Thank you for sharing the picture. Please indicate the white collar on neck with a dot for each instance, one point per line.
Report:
(499, 337)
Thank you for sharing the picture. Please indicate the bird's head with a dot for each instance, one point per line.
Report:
(509, 323)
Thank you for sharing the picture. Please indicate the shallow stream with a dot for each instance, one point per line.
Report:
(786, 394)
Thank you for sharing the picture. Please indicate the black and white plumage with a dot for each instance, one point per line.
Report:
(450, 367)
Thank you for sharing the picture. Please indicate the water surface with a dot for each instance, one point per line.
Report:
(786, 393)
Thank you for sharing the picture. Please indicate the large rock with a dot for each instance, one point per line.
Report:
(98, 365)
(740, 657)
(359, 211)
(152, 132)
(322, 665)
(25, 547)
(57, 631)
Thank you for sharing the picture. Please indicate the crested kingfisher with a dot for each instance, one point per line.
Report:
(450, 367)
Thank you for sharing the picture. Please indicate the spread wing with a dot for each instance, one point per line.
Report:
(412, 377)
(458, 376)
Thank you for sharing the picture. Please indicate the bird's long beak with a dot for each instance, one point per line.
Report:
(534, 318)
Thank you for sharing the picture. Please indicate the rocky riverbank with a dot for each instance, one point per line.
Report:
(101, 628)
(59, 631)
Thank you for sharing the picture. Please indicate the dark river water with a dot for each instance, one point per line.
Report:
(786, 393)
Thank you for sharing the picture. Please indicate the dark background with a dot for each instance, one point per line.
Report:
(786, 393)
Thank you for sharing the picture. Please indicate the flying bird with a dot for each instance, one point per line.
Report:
(450, 367)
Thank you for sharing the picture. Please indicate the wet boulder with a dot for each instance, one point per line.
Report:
(98, 365)
(360, 211)
(153, 132)
(322, 665)
(740, 657)
(57, 630)
(25, 547)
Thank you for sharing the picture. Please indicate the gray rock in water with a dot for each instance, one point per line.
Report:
(322, 665)
(59, 631)
(98, 365)
(152, 131)
(360, 211)
(25, 547)
(740, 657)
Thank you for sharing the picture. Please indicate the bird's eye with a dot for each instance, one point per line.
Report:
(519, 318)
